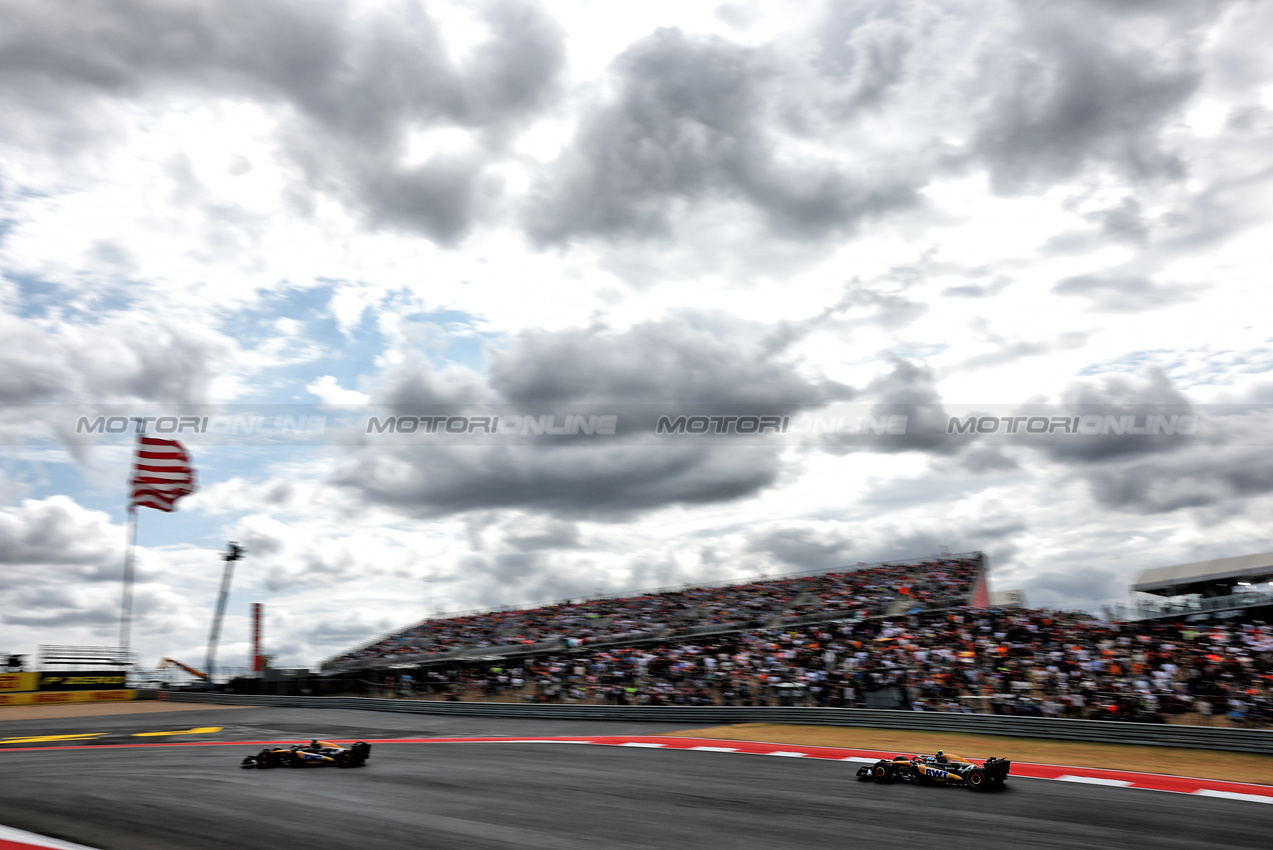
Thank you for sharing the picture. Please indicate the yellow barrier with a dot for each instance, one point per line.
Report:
(18, 682)
(49, 697)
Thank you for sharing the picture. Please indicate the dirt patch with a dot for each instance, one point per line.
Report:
(90, 709)
(1201, 764)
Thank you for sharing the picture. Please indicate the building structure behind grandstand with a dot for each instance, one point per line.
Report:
(1236, 588)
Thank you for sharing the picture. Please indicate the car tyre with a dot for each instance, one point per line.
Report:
(978, 779)
(884, 771)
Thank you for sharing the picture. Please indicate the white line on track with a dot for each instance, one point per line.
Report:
(30, 839)
(1096, 780)
(788, 755)
(716, 749)
(1233, 795)
(641, 744)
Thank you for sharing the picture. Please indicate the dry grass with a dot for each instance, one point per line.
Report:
(1202, 764)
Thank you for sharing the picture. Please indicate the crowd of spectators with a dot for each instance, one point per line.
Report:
(1003, 661)
(870, 590)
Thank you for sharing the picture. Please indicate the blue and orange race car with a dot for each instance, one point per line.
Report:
(939, 769)
(315, 754)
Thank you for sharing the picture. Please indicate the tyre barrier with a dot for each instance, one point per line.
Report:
(1093, 731)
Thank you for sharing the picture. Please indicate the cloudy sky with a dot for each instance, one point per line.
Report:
(800, 209)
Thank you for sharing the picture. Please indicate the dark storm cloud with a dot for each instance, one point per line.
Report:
(72, 616)
(120, 359)
(689, 124)
(1226, 463)
(987, 459)
(710, 359)
(1072, 93)
(27, 373)
(556, 535)
(55, 531)
(309, 569)
(416, 383)
(804, 548)
(54, 557)
(1124, 293)
(566, 481)
(1200, 477)
(1124, 222)
(1076, 585)
(863, 46)
(355, 84)
(713, 361)
(910, 390)
(537, 578)
(1119, 396)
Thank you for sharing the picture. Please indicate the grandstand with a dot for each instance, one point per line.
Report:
(1219, 589)
(925, 634)
(886, 588)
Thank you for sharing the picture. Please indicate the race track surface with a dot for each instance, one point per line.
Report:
(560, 796)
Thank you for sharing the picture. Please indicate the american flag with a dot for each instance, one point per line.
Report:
(162, 474)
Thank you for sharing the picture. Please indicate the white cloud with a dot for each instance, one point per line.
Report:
(998, 194)
(331, 392)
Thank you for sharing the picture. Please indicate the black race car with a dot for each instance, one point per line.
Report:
(315, 754)
(939, 769)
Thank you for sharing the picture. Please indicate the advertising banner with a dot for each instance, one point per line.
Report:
(54, 697)
(10, 682)
(81, 680)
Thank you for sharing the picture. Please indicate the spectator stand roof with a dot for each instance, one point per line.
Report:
(1197, 577)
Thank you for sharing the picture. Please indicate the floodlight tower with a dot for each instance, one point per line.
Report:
(233, 552)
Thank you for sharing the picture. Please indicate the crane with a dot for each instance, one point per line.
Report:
(165, 663)
(233, 552)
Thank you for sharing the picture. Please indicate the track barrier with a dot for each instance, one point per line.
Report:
(1095, 731)
(59, 697)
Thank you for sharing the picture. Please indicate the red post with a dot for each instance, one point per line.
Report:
(258, 662)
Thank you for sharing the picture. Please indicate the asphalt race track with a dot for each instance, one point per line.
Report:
(559, 796)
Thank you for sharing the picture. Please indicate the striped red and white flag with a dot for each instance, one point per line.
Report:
(162, 474)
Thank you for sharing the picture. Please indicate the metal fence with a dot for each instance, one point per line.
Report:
(1099, 731)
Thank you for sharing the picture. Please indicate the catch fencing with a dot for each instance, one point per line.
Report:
(1096, 731)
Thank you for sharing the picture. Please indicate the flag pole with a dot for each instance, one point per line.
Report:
(126, 606)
